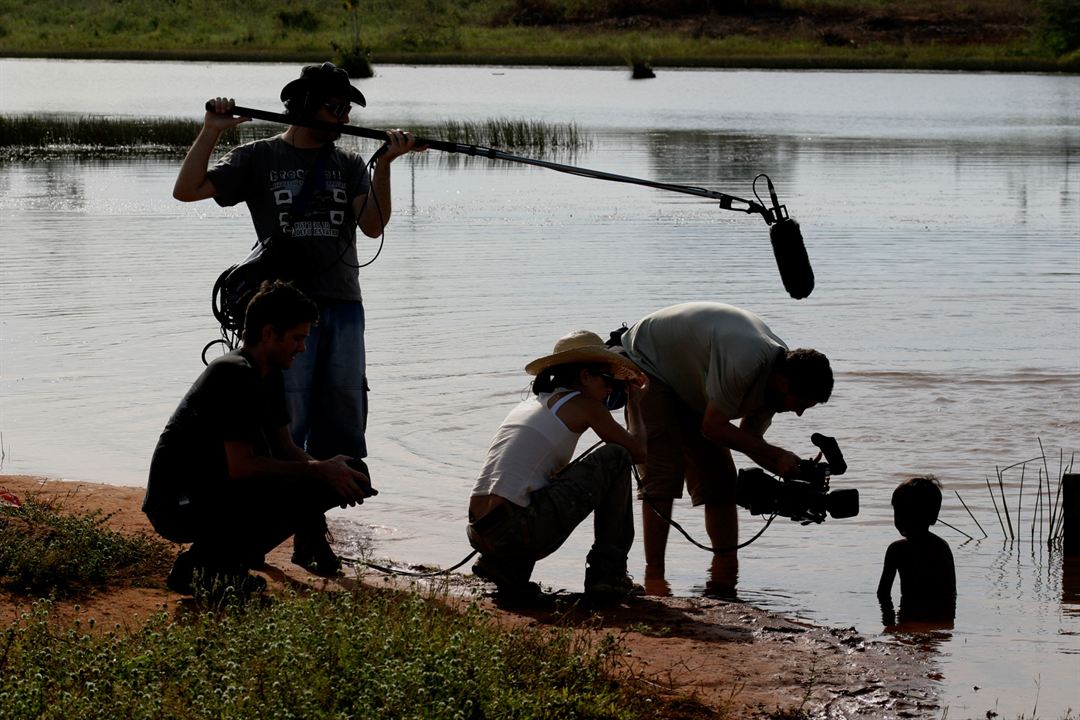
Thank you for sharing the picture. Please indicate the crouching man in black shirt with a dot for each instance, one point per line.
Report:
(226, 475)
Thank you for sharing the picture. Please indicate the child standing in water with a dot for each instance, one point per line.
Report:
(529, 496)
(924, 561)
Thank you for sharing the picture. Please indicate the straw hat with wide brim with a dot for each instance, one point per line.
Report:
(582, 346)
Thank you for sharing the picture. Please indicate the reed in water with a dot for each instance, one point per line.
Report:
(90, 133)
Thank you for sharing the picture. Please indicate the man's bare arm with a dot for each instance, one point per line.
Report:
(373, 210)
(351, 486)
(717, 427)
(191, 182)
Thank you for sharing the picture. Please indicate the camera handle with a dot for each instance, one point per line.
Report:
(831, 450)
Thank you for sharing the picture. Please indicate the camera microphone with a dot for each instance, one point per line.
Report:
(789, 250)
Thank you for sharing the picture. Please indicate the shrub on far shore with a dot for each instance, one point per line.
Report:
(1059, 25)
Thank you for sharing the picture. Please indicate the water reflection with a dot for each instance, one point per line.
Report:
(1070, 584)
(931, 636)
(56, 185)
(723, 576)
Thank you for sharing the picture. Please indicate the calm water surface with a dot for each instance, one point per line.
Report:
(941, 213)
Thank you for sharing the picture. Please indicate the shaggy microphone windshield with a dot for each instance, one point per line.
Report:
(791, 259)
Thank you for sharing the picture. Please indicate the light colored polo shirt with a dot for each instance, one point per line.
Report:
(710, 352)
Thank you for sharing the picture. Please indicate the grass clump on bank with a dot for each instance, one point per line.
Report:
(44, 551)
(363, 655)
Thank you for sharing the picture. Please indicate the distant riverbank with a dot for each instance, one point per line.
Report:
(794, 34)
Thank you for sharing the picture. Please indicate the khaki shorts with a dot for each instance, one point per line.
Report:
(678, 452)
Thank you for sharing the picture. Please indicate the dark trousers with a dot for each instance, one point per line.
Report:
(599, 483)
(232, 521)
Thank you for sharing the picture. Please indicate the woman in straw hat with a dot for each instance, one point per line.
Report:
(530, 496)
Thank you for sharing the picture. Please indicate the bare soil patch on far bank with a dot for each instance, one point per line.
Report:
(720, 658)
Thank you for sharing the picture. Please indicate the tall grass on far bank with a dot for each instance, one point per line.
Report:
(45, 551)
(367, 654)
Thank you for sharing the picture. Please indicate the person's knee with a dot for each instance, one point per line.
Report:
(618, 464)
(614, 453)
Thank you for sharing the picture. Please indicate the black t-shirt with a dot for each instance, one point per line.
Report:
(228, 402)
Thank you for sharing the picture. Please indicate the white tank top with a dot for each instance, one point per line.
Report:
(531, 445)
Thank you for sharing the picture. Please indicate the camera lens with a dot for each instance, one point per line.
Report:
(843, 503)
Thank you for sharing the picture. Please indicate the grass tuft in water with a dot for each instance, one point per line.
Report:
(46, 551)
(34, 131)
(79, 135)
(509, 133)
(365, 654)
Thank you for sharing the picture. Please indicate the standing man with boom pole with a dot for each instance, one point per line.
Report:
(299, 187)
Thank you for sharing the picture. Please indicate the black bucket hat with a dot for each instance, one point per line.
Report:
(322, 82)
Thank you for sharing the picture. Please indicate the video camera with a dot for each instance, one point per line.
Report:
(804, 498)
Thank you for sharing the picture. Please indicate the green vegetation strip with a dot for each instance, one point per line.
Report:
(44, 551)
(363, 655)
(943, 34)
(90, 134)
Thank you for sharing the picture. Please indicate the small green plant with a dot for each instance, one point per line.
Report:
(46, 551)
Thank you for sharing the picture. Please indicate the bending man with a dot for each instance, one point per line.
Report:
(709, 365)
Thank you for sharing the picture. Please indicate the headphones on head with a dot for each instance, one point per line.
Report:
(303, 106)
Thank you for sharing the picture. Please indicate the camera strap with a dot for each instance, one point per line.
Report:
(669, 520)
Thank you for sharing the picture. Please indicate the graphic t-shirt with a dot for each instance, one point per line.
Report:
(268, 176)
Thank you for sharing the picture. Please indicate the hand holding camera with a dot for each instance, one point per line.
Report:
(348, 477)
(358, 465)
(803, 496)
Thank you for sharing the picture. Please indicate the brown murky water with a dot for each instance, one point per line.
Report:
(940, 213)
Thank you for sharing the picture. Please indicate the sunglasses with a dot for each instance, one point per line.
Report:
(617, 397)
(338, 109)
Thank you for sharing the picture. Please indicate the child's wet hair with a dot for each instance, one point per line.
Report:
(918, 501)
